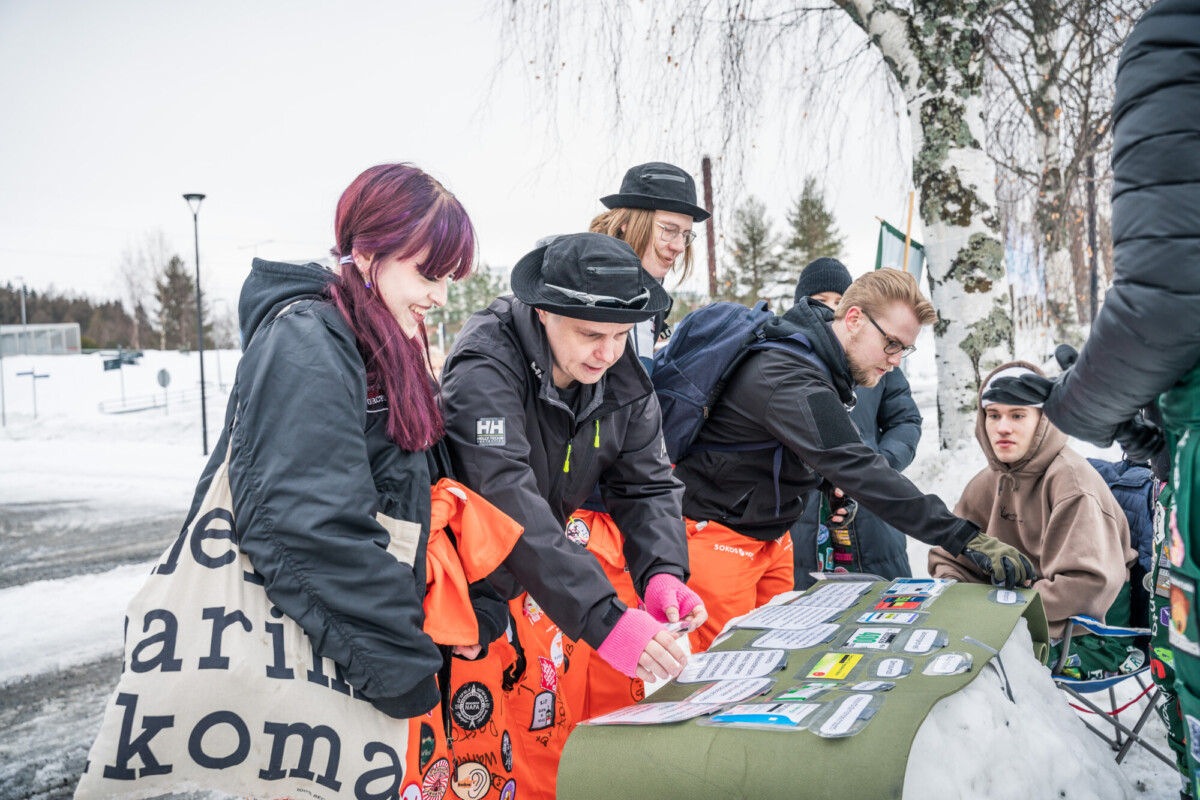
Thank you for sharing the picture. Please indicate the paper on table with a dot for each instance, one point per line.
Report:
(731, 691)
(654, 713)
(841, 594)
(846, 715)
(791, 618)
(726, 665)
(797, 640)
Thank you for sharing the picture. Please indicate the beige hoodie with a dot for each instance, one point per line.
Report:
(1054, 507)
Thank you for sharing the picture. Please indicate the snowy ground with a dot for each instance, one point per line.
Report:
(89, 500)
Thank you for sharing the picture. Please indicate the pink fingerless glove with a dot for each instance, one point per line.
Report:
(664, 591)
(628, 640)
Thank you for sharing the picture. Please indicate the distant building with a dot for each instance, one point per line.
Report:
(39, 340)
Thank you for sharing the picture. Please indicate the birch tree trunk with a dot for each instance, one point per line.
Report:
(1051, 204)
(935, 54)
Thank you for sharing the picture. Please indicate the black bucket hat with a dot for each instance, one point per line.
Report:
(658, 187)
(589, 276)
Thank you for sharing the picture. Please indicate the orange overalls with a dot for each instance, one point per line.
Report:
(483, 537)
(733, 574)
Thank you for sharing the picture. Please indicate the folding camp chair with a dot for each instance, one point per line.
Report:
(1123, 737)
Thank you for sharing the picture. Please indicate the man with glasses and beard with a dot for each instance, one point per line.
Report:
(543, 401)
(740, 499)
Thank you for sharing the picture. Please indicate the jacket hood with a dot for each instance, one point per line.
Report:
(1048, 441)
(813, 318)
(273, 283)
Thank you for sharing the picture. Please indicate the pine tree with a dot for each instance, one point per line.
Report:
(757, 271)
(175, 293)
(814, 233)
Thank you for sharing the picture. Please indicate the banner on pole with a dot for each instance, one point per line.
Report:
(890, 251)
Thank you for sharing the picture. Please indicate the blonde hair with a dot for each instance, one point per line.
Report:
(635, 227)
(876, 291)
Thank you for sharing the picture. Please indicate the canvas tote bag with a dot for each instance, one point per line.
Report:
(220, 690)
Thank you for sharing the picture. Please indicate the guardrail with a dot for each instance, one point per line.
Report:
(149, 402)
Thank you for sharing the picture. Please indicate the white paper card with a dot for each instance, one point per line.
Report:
(921, 641)
(841, 594)
(946, 664)
(797, 640)
(930, 586)
(730, 691)
(654, 713)
(727, 665)
(846, 715)
(890, 668)
(792, 618)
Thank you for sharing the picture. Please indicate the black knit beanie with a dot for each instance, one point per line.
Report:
(823, 275)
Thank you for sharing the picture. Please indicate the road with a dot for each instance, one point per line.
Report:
(48, 720)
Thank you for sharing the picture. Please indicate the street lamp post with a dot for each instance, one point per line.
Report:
(24, 324)
(193, 201)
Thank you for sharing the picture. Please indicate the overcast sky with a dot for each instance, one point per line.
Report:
(112, 110)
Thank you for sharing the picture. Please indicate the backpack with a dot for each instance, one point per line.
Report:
(1134, 488)
(691, 372)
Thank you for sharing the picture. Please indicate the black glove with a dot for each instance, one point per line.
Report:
(1027, 390)
(837, 501)
(1140, 440)
(1005, 564)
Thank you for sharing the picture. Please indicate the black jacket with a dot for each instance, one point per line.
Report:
(779, 395)
(516, 443)
(1147, 335)
(315, 478)
(890, 423)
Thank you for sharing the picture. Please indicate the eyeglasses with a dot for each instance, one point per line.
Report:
(670, 233)
(603, 300)
(891, 346)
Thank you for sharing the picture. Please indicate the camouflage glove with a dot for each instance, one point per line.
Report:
(1003, 563)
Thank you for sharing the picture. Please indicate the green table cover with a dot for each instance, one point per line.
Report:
(685, 759)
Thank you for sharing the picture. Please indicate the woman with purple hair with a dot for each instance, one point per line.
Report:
(333, 416)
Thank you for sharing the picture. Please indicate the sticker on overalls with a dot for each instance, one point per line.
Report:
(543, 711)
(509, 791)
(1181, 635)
(556, 649)
(427, 745)
(533, 612)
(549, 674)
(822, 534)
(578, 531)
(489, 432)
(471, 707)
(411, 792)
(471, 781)
(437, 780)
(506, 751)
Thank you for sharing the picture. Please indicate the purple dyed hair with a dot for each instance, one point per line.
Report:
(396, 209)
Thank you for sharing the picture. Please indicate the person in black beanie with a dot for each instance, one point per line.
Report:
(888, 420)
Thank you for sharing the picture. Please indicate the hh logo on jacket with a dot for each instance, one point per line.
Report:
(489, 432)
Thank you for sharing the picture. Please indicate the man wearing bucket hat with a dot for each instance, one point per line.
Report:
(543, 401)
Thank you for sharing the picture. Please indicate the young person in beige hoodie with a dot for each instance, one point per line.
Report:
(1046, 500)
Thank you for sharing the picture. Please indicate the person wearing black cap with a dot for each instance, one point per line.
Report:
(543, 401)
(889, 421)
(653, 212)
